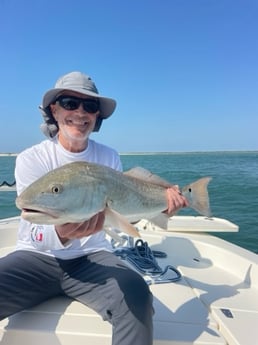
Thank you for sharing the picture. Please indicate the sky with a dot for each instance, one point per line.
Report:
(184, 73)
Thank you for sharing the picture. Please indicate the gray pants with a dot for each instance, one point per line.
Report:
(99, 280)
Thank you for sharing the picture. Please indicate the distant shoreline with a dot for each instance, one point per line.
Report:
(159, 153)
(183, 152)
(8, 154)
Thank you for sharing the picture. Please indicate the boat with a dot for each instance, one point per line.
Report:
(205, 294)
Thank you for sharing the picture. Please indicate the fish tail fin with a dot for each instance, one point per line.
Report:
(197, 196)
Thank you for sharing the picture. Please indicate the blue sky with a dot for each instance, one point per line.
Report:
(184, 72)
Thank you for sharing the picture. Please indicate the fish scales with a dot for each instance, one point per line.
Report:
(125, 194)
(77, 191)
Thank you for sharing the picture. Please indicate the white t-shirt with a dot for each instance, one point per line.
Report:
(35, 162)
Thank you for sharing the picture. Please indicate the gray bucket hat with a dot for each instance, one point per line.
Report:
(82, 83)
(79, 82)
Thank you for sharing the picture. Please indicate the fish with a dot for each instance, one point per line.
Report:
(77, 191)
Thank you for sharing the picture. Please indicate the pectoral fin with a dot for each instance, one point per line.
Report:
(116, 220)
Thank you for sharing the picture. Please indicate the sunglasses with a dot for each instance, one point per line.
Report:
(72, 103)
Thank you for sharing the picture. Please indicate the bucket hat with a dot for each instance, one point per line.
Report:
(78, 82)
(82, 83)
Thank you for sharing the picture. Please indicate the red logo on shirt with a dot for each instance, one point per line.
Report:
(39, 237)
(37, 233)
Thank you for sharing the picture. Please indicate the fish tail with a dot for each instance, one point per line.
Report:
(198, 197)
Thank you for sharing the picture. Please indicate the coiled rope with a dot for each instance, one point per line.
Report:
(143, 259)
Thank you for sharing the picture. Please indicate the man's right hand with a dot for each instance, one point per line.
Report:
(70, 231)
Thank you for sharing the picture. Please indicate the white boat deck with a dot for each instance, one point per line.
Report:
(215, 302)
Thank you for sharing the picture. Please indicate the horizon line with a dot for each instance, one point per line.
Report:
(4, 154)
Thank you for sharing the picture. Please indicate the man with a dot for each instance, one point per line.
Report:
(75, 260)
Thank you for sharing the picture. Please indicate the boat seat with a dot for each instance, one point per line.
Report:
(179, 315)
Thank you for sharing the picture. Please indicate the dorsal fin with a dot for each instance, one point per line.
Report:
(147, 176)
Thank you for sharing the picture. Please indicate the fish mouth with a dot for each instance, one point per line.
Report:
(28, 212)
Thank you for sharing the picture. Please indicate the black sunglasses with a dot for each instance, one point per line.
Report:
(72, 103)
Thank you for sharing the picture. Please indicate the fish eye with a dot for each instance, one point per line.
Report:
(56, 189)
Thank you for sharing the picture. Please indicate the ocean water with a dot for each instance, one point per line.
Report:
(233, 190)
